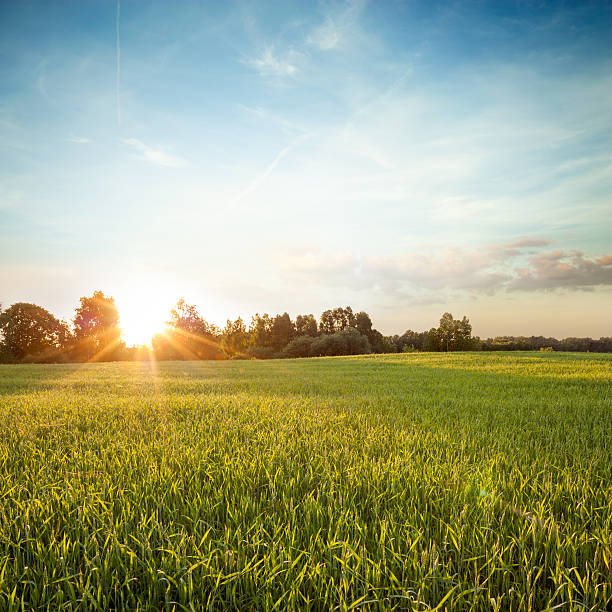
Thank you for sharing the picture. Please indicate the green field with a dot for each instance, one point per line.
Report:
(379, 482)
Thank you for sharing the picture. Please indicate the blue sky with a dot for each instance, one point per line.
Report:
(407, 158)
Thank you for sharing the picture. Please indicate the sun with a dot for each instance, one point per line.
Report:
(140, 318)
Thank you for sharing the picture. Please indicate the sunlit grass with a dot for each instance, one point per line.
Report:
(403, 481)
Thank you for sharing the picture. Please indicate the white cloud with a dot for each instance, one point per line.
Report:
(78, 140)
(270, 65)
(154, 156)
(326, 37)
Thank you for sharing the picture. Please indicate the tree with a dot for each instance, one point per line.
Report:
(452, 334)
(346, 341)
(260, 331)
(283, 331)
(379, 344)
(96, 328)
(235, 336)
(187, 318)
(337, 319)
(432, 340)
(327, 322)
(464, 340)
(410, 341)
(363, 323)
(30, 331)
(299, 347)
(306, 325)
(446, 331)
(187, 336)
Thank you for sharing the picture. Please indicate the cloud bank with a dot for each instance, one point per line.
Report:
(518, 265)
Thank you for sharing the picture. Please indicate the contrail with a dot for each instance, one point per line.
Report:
(118, 81)
(262, 177)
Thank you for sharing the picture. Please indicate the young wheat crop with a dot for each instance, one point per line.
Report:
(417, 481)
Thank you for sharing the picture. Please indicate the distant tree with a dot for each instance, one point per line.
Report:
(299, 347)
(306, 325)
(96, 328)
(235, 337)
(535, 343)
(464, 340)
(344, 318)
(447, 331)
(451, 335)
(187, 318)
(260, 331)
(337, 319)
(379, 344)
(410, 341)
(327, 322)
(283, 331)
(363, 323)
(187, 336)
(432, 340)
(30, 331)
(346, 341)
(262, 352)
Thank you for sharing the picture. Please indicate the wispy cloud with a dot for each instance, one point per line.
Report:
(326, 37)
(268, 64)
(340, 28)
(78, 140)
(154, 156)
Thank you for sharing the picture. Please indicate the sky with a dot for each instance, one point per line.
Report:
(406, 158)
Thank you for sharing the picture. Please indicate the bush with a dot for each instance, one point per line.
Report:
(347, 341)
(299, 347)
(51, 355)
(262, 352)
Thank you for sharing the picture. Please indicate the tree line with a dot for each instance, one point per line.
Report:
(30, 333)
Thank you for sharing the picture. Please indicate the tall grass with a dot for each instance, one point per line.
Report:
(421, 481)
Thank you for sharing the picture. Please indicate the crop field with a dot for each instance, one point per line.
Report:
(408, 482)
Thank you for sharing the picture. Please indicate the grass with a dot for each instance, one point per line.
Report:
(420, 481)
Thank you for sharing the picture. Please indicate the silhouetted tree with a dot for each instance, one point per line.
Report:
(30, 331)
(96, 328)
(187, 336)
